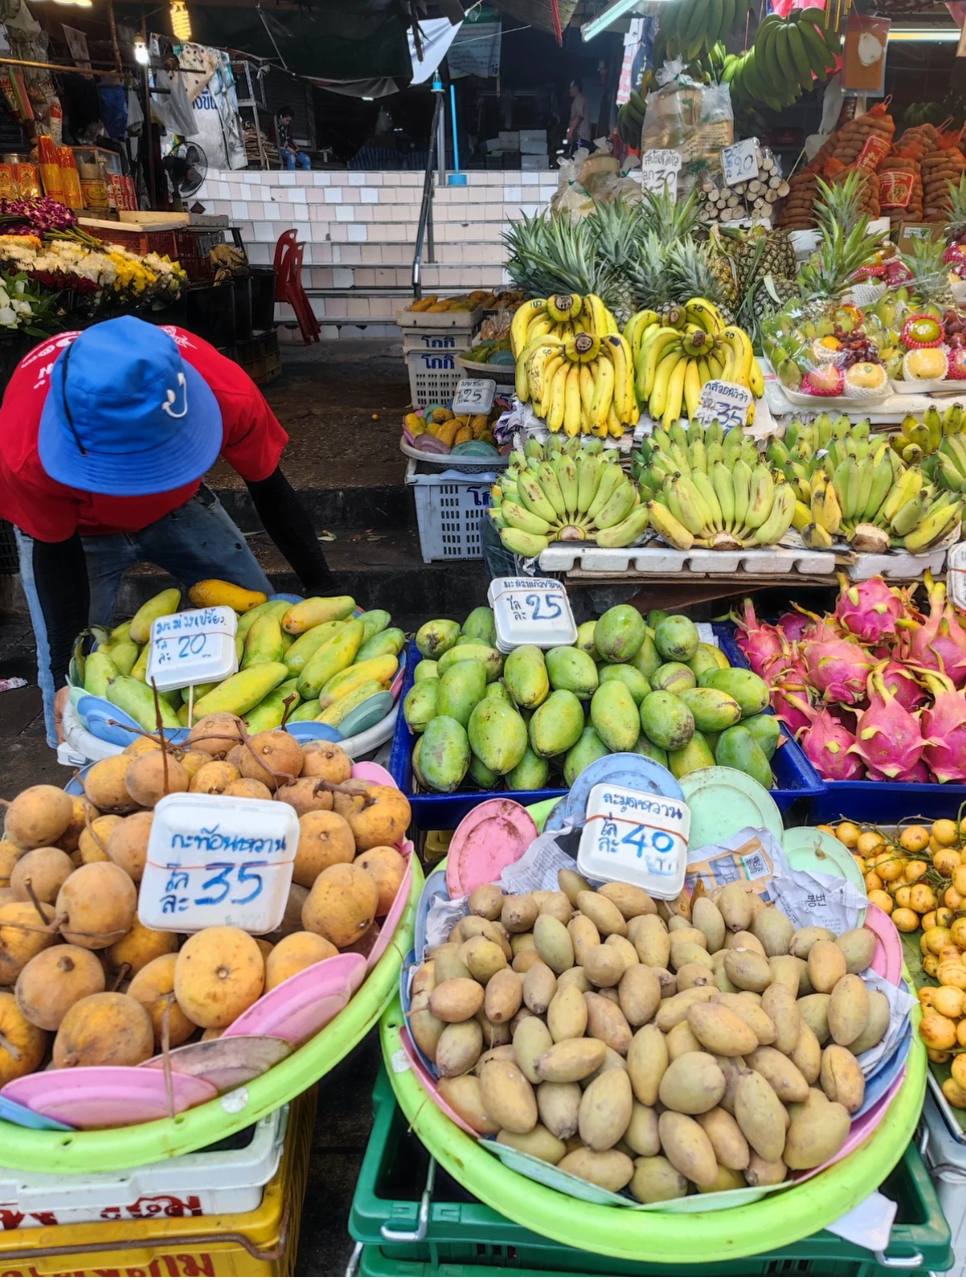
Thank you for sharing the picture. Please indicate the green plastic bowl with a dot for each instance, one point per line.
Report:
(771, 1223)
(107, 1150)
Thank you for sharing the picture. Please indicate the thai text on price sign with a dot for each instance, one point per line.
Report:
(474, 395)
(660, 168)
(531, 611)
(193, 647)
(739, 162)
(635, 836)
(218, 860)
(724, 402)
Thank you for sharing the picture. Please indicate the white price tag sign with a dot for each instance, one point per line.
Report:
(218, 860)
(740, 162)
(660, 168)
(637, 837)
(724, 402)
(474, 395)
(531, 611)
(193, 647)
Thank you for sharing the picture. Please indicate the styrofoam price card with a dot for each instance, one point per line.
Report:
(724, 402)
(474, 395)
(218, 860)
(740, 161)
(531, 611)
(660, 168)
(956, 574)
(196, 646)
(637, 837)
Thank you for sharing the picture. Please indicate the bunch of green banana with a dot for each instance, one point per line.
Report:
(918, 438)
(817, 433)
(950, 464)
(673, 366)
(688, 447)
(691, 26)
(788, 58)
(630, 117)
(565, 492)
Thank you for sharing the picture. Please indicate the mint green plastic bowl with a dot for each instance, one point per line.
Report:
(106, 1150)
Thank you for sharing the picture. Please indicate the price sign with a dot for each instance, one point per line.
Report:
(193, 647)
(531, 611)
(739, 162)
(218, 860)
(724, 402)
(660, 168)
(474, 395)
(637, 837)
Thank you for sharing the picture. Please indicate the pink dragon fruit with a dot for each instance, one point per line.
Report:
(945, 724)
(888, 737)
(792, 707)
(828, 744)
(918, 773)
(794, 626)
(758, 641)
(785, 667)
(939, 643)
(903, 685)
(837, 667)
(869, 609)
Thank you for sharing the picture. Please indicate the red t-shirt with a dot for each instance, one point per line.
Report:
(252, 442)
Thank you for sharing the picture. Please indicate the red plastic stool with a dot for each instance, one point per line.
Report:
(288, 284)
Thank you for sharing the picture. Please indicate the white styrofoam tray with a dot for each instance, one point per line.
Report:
(658, 559)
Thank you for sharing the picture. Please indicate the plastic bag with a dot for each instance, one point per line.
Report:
(693, 119)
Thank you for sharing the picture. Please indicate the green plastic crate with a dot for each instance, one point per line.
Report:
(445, 1231)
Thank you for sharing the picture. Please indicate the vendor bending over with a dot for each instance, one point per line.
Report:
(105, 436)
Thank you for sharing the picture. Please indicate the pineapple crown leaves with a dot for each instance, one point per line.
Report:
(846, 242)
(924, 259)
(957, 205)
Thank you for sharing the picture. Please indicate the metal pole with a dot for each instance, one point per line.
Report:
(441, 149)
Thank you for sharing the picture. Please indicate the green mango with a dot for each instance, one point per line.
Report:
(270, 712)
(444, 754)
(614, 714)
(460, 688)
(748, 690)
(134, 697)
(426, 670)
(336, 652)
(497, 734)
(419, 704)
(647, 659)
(676, 638)
(417, 772)
(557, 724)
(619, 633)
(674, 677)
(766, 731)
(384, 644)
(124, 655)
(492, 659)
(666, 720)
(98, 670)
(480, 625)
(737, 749)
(531, 774)
(707, 658)
(572, 669)
(481, 775)
(638, 685)
(525, 676)
(655, 616)
(645, 747)
(305, 711)
(585, 751)
(713, 710)
(373, 621)
(263, 643)
(585, 638)
(273, 608)
(695, 755)
(307, 644)
(497, 689)
(434, 638)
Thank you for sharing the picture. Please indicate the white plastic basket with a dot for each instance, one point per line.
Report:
(433, 376)
(204, 1182)
(449, 509)
(453, 340)
(946, 1160)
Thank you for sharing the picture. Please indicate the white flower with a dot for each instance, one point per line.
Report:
(8, 317)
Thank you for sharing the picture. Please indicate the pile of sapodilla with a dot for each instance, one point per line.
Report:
(701, 1050)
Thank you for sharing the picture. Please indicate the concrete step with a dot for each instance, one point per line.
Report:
(449, 278)
(395, 253)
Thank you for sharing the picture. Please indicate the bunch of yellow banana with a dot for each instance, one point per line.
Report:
(583, 385)
(699, 312)
(560, 316)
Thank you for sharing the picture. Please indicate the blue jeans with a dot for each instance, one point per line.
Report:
(197, 541)
(292, 158)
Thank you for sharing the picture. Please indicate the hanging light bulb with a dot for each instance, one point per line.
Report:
(180, 20)
(141, 55)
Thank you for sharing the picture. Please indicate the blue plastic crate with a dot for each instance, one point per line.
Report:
(885, 802)
(798, 789)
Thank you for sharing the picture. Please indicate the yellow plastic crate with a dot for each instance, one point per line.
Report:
(261, 1243)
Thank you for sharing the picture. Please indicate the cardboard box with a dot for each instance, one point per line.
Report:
(909, 233)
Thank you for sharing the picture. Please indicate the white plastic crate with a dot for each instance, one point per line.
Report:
(946, 1161)
(449, 508)
(453, 340)
(433, 376)
(204, 1182)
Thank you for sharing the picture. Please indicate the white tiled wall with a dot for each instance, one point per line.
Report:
(358, 229)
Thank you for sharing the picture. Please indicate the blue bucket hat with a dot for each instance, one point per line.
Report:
(125, 415)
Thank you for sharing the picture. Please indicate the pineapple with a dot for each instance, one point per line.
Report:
(689, 274)
(672, 219)
(616, 229)
(956, 201)
(551, 254)
(925, 259)
(846, 243)
(646, 274)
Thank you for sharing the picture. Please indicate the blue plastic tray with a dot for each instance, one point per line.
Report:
(884, 802)
(799, 786)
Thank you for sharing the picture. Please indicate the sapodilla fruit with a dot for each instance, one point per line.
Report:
(140, 747)
(341, 904)
(96, 905)
(9, 854)
(22, 1045)
(127, 845)
(293, 954)
(153, 987)
(216, 734)
(305, 795)
(212, 778)
(151, 777)
(387, 867)
(105, 786)
(325, 839)
(139, 946)
(83, 812)
(376, 814)
(219, 973)
(248, 789)
(104, 1030)
(22, 936)
(92, 845)
(192, 760)
(326, 760)
(38, 816)
(54, 980)
(272, 757)
(40, 872)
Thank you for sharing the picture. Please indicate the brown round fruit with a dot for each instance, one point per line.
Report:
(127, 845)
(293, 954)
(376, 814)
(41, 872)
(93, 841)
(22, 936)
(153, 776)
(324, 840)
(153, 987)
(387, 867)
(341, 904)
(104, 1030)
(104, 785)
(272, 757)
(139, 946)
(212, 779)
(22, 1045)
(305, 795)
(326, 760)
(96, 905)
(38, 816)
(216, 734)
(219, 974)
(248, 789)
(53, 981)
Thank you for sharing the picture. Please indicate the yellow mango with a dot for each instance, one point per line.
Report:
(336, 712)
(211, 592)
(446, 432)
(381, 669)
(331, 657)
(242, 691)
(263, 643)
(277, 608)
(140, 669)
(415, 423)
(302, 648)
(299, 618)
(158, 606)
(463, 435)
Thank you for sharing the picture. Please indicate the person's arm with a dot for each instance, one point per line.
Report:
(290, 527)
(60, 580)
(574, 120)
